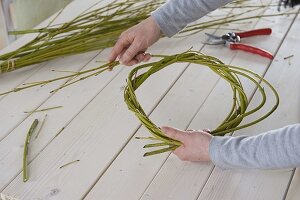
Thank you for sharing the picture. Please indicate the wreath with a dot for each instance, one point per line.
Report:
(229, 73)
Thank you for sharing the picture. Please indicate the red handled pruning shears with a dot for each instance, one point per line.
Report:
(232, 40)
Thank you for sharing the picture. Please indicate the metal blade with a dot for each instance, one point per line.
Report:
(211, 36)
(214, 39)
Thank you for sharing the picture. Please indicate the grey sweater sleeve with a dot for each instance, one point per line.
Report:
(271, 150)
(176, 14)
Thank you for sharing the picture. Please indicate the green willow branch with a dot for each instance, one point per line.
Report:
(43, 110)
(94, 72)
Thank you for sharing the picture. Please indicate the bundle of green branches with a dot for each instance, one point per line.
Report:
(229, 73)
(99, 29)
(92, 30)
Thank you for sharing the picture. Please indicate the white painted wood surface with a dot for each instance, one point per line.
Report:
(100, 131)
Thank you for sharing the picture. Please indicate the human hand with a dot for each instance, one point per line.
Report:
(132, 44)
(195, 144)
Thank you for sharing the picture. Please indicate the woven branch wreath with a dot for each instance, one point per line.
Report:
(228, 73)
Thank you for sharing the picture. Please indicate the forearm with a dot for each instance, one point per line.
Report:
(271, 150)
(176, 14)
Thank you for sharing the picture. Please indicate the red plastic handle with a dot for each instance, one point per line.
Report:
(251, 49)
(263, 31)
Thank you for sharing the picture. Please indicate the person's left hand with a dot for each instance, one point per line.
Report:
(195, 144)
(132, 44)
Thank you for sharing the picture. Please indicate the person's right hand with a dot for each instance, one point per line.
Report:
(132, 44)
(195, 144)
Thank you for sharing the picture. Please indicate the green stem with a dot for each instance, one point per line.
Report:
(26, 147)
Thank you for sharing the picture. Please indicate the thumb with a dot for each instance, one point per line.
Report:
(174, 133)
(207, 130)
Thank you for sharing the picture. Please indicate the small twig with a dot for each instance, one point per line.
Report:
(27, 141)
(289, 59)
(151, 153)
(156, 145)
(146, 138)
(64, 71)
(285, 58)
(42, 110)
(68, 164)
(43, 122)
(59, 131)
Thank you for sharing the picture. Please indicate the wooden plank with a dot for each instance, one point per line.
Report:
(127, 179)
(293, 192)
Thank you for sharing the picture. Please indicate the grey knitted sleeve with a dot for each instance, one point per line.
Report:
(174, 15)
(271, 150)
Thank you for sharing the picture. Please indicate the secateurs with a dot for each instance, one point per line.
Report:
(290, 3)
(233, 41)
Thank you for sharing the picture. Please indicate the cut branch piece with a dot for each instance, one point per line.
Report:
(26, 148)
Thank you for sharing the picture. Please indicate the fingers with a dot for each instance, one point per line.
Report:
(119, 47)
(137, 59)
(132, 51)
(142, 57)
(195, 143)
(132, 62)
(174, 133)
(128, 56)
(147, 57)
(134, 40)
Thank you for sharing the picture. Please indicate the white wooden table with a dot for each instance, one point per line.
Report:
(95, 126)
